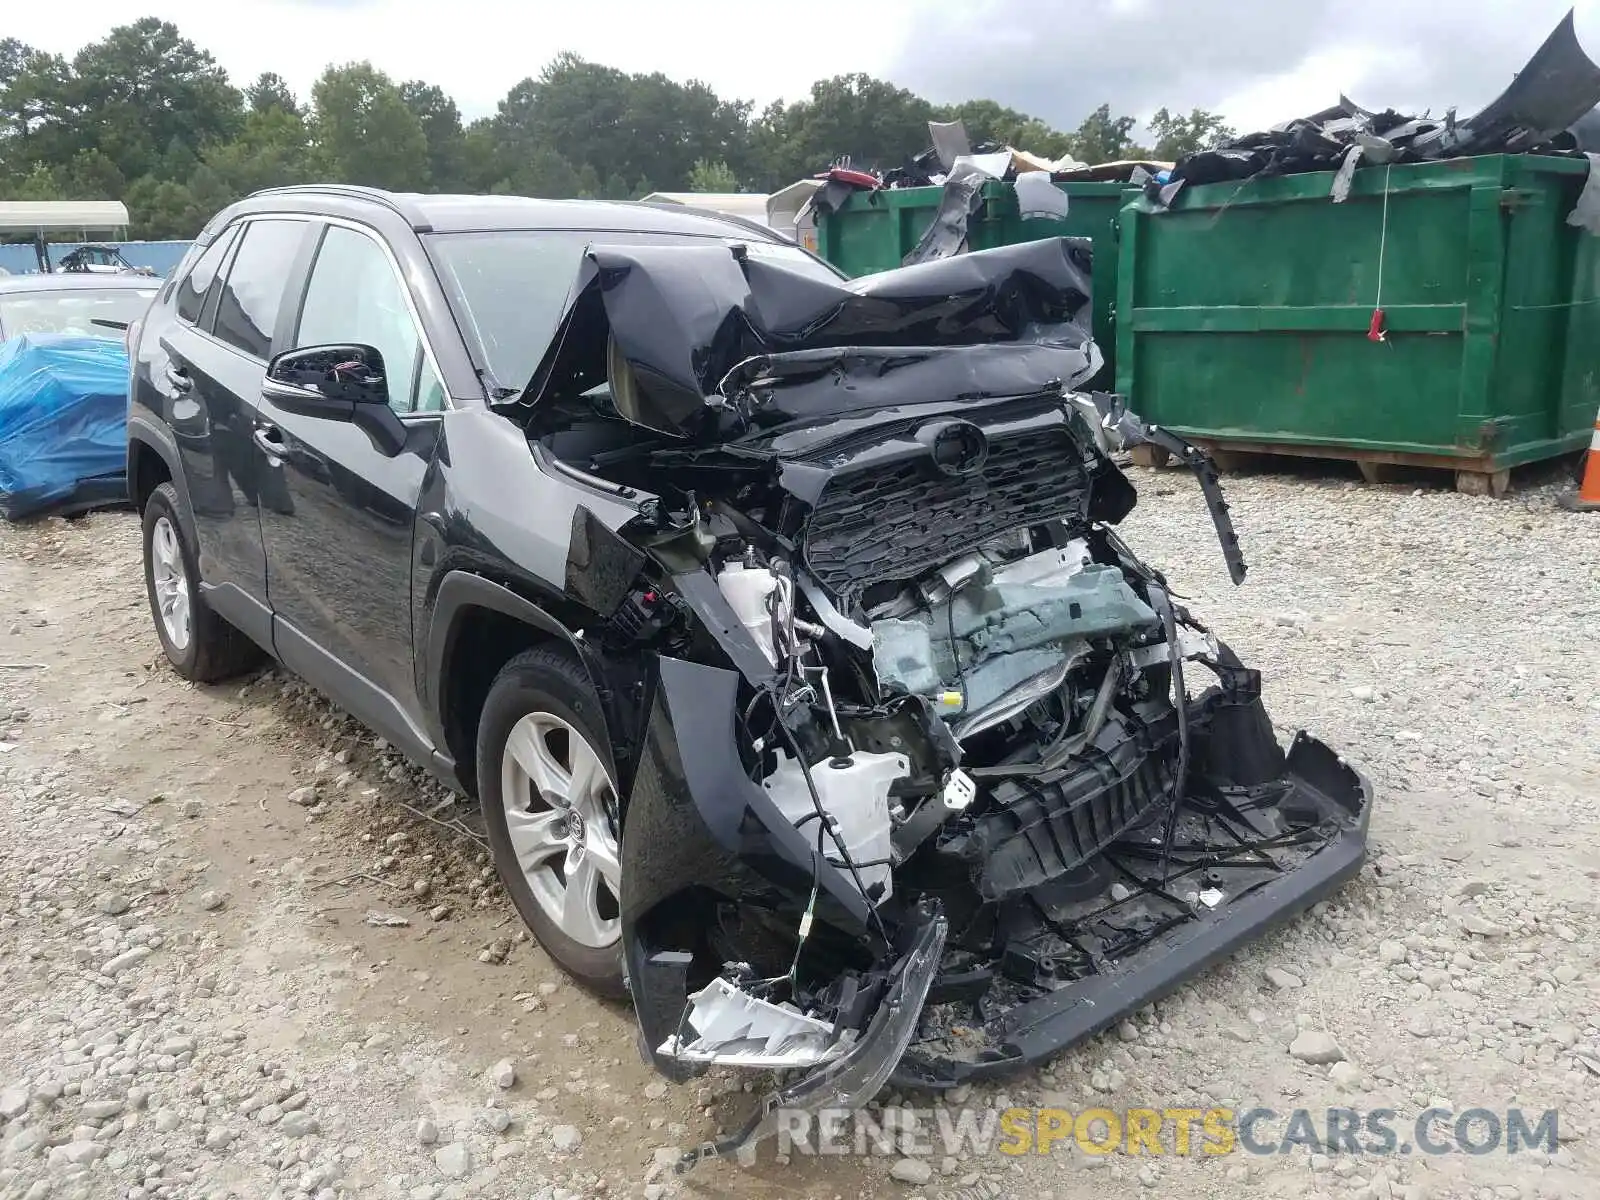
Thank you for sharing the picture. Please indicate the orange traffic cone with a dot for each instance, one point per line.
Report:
(1587, 497)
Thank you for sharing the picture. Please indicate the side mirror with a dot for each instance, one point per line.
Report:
(324, 380)
(337, 383)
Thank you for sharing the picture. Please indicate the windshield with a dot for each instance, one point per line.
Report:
(72, 311)
(509, 289)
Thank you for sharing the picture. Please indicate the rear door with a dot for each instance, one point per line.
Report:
(339, 545)
(211, 361)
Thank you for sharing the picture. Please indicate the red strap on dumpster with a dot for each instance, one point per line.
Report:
(1375, 330)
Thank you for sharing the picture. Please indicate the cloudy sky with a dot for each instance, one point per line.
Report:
(1257, 61)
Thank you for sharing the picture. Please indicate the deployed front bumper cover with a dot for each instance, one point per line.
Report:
(1033, 1032)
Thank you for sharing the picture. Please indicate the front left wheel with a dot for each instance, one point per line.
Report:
(547, 786)
(199, 644)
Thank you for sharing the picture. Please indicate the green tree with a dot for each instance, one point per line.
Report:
(986, 121)
(14, 56)
(91, 175)
(615, 187)
(441, 129)
(517, 146)
(147, 116)
(628, 127)
(160, 208)
(364, 132)
(209, 193)
(272, 151)
(1177, 135)
(39, 182)
(712, 177)
(574, 108)
(270, 91)
(1104, 138)
(544, 174)
(145, 86)
(178, 161)
(480, 156)
(34, 107)
(16, 62)
(874, 123)
(669, 126)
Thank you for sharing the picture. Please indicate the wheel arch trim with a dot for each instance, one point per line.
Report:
(460, 591)
(145, 435)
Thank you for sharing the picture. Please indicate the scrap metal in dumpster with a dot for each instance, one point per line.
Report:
(962, 170)
(1540, 112)
(63, 423)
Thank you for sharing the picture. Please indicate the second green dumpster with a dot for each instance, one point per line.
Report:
(1244, 315)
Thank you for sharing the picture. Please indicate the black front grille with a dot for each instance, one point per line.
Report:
(898, 521)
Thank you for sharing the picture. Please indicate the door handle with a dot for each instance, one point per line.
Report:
(268, 442)
(179, 378)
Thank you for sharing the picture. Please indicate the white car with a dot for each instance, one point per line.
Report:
(72, 303)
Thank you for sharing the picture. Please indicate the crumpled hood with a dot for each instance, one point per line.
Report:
(698, 324)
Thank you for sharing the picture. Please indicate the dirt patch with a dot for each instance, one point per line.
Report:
(273, 957)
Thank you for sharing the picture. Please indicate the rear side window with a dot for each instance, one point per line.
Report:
(248, 310)
(192, 291)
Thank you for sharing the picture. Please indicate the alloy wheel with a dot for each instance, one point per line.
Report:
(560, 808)
(171, 583)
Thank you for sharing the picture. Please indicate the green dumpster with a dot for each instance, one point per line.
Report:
(1244, 316)
(873, 231)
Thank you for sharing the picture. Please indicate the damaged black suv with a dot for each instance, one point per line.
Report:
(779, 623)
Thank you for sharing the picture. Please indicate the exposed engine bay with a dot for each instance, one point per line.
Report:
(925, 774)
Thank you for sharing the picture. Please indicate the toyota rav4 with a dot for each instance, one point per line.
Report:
(778, 623)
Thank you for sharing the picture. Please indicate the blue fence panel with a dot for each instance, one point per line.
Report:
(18, 260)
(159, 257)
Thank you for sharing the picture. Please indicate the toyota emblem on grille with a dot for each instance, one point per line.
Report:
(956, 447)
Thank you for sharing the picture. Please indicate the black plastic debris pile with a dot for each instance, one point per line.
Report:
(935, 166)
(950, 157)
(1555, 91)
(953, 154)
(1549, 108)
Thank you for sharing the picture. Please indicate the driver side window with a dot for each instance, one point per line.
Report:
(355, 296)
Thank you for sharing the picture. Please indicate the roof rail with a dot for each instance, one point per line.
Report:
(768, 233)
(412, 215)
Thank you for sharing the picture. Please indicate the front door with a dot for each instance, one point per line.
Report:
(339, 549)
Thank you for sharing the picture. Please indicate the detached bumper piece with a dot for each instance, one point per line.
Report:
(857, 1075)
(735, 1029)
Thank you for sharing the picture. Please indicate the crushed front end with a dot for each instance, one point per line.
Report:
(928, 775)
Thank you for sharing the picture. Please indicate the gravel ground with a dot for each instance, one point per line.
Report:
(246, 952)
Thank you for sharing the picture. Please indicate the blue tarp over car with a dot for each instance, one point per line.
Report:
(63, 423)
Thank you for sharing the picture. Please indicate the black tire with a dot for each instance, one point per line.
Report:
(546, 679)
(216, 650)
